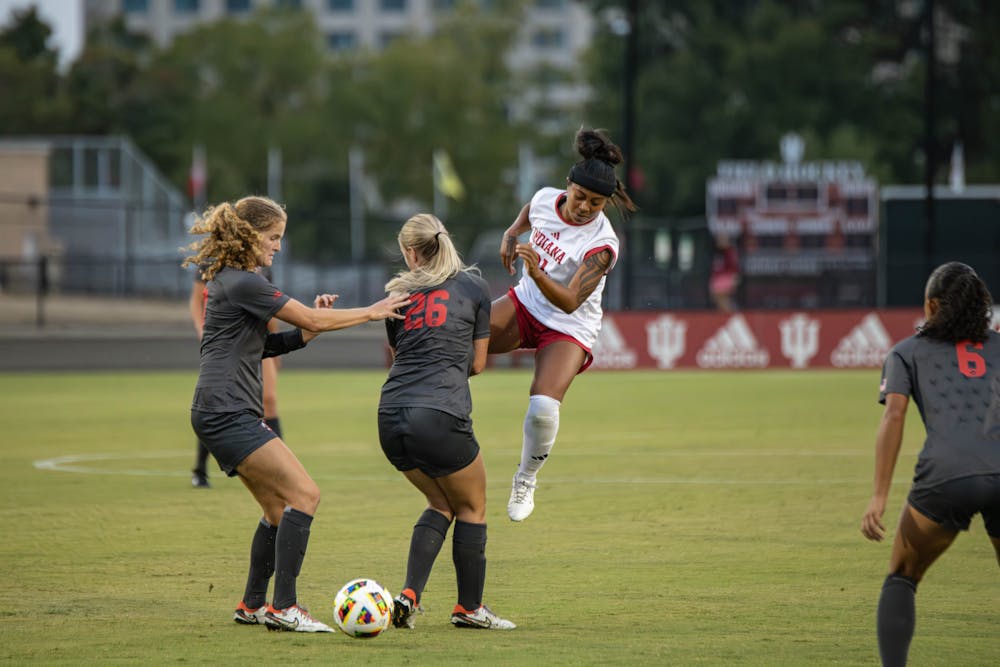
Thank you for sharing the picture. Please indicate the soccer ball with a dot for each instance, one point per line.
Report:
(362, 608)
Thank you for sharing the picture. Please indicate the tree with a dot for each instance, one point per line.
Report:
(31, 102)
(449, 91)
(725, 79)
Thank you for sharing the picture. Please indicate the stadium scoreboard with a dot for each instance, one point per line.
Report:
(806, 231)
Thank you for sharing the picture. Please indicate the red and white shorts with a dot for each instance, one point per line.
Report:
(535, 335)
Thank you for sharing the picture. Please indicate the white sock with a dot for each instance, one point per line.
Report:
(541, 423)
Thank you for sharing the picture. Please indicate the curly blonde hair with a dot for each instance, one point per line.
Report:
(232, 233)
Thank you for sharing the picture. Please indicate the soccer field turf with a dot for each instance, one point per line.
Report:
(684, 518)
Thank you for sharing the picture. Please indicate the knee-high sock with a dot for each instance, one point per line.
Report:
(201, 459)
(275, 424)
(541, 424)
(425, 544)
(468, 551)
(261, 564)
(289, 551)
(897, 616)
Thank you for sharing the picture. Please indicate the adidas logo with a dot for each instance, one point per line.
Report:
(866, 345)
(733, 346)
(610, 349)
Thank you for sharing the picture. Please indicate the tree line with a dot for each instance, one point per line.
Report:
(714, 79)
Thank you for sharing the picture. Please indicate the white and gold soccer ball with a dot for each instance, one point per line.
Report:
(362, 608)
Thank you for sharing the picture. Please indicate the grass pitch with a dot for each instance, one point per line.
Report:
(684, 518)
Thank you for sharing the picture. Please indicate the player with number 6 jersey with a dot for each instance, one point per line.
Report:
(951, 368)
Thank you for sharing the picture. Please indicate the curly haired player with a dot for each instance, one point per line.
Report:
(226, 413)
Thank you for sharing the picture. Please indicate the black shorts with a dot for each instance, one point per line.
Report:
(436, 442)
(953, 504)
(231, 436)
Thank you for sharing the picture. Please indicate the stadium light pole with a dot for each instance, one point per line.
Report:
(631, 64)
(930, 162)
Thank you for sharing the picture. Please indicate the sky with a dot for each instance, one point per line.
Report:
(65, 17)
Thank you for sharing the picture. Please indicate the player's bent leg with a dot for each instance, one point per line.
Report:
(541, 425)
(895, 619)
(275, 476)
(919, 542)
(273, 471)
(466, 491)
(505, 336)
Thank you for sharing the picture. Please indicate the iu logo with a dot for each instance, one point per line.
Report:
(665, 340)
(799, 339)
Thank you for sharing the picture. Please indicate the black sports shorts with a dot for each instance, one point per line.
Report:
(436, 442)
(231, 436)
(953, 504)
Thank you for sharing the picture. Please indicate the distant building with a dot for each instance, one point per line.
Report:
(554, 33)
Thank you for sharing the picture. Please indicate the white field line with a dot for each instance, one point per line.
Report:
(81, 463)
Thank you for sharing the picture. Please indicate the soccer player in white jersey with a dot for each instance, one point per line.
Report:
(555, 309)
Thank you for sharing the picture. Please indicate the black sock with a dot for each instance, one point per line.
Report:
(425, 544)
(275, 424)
(261, 564)
(897, 616)
(201, 460)
(468, 550)
(290, 550)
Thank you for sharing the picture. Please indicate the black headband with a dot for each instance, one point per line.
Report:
(582, 178)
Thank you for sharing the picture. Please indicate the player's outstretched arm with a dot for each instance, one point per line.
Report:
(316, 320)
(887, 444)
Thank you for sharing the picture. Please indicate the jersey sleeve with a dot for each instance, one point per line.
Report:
(612, 247)
(256, 295)
(391, 329)
(896, 377)
(483, 308)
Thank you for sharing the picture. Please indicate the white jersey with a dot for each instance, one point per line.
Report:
(562, 247)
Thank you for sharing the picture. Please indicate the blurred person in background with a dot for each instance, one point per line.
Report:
(725, 275)
(227, 414)
(424, 421)
(269, 372)
(951, 368)
(555, 308)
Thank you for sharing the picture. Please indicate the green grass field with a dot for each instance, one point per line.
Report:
(683, 519)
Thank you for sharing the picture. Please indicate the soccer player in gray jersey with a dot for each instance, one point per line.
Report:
(951, 368)
(227, 412)
(424, 422)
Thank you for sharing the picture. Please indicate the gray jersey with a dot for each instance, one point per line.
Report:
(434, 350)
(240, 303)
(957, 390)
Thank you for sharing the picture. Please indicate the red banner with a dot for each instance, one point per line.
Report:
(754, 339)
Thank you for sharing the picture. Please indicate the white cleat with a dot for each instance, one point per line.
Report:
(293, 619)
(244, 615)
(522, 499)
(482, 619)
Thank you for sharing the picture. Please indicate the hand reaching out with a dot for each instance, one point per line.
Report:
(325, 300)
(389, 307)
(871, 522)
